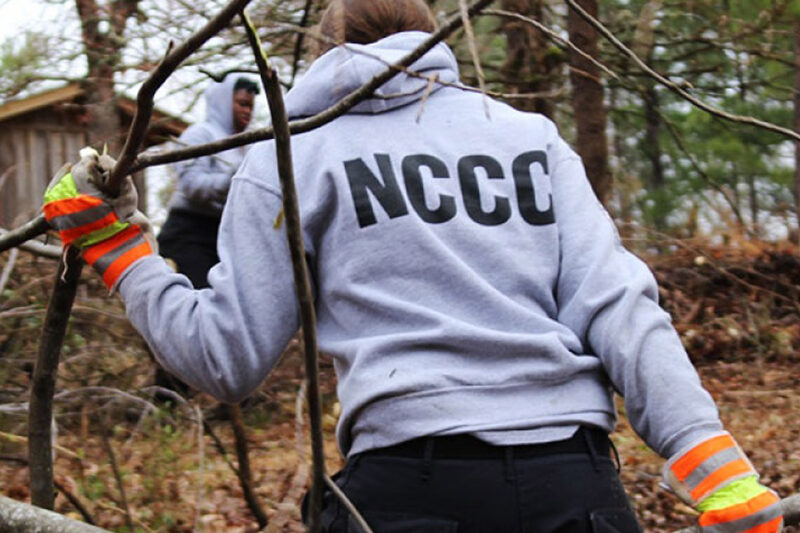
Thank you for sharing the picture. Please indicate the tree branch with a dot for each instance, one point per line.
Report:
(680, 91)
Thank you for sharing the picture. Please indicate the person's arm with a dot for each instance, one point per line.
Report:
(609, 298)
(204, 180)
(222, 340)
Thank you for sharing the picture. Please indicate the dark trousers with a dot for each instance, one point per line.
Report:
(191, 241)
(460, 484)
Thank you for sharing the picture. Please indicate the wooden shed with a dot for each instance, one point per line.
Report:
(40, 133)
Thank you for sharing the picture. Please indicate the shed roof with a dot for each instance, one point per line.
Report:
(162, 124)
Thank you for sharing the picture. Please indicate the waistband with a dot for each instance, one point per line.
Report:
(587, 440)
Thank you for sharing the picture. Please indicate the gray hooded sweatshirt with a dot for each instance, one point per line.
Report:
(203, 182)
(467, 280)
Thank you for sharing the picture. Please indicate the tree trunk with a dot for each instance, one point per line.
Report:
(528, 67)
(103, 44)
(587, 101)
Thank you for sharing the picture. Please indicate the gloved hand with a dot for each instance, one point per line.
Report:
(716, 478)
(110, 232)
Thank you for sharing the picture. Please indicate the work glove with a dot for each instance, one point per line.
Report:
(716, 478)
(110, 232)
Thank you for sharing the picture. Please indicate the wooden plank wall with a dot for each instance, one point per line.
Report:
(32, 148)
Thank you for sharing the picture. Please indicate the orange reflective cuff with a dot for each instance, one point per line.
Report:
(69, 235)
(115, 270)
(742, 510)
(773, 526)
(695, 457)
(93, 253)
(718, 477)
(69, 206)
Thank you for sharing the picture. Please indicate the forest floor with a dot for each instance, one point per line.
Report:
(735, 308)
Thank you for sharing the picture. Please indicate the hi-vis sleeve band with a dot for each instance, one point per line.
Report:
(697, 472)
(760, 514)
(81, 219)
(112, 256)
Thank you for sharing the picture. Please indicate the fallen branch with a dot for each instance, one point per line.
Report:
(23, 518)
(791, 514)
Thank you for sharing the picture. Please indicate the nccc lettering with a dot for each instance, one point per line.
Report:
(363, 184)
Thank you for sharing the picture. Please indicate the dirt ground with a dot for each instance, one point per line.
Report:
(735, 311)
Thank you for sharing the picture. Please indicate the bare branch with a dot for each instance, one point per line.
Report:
(348, 504)
(473, 51)
(112, 459)
(8, 269)
(676, 88)
(244, 472)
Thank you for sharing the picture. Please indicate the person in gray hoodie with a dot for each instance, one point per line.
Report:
(475, 296)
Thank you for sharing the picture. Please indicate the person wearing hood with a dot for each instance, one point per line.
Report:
(189, 235)
(474, 294)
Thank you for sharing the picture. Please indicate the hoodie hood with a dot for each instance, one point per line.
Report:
(345, 68)
(219, 104)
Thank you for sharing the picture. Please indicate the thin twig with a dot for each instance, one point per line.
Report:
(676, 88)
(8, 269)
(244, 471)
(473, 50)
(348, 504)
(201, 459)
(298, 44)
(555, 37)
(40, 416)
(112, 459)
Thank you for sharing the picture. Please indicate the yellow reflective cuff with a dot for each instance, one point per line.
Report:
(65, 188)
(90, 239)
(737, 492)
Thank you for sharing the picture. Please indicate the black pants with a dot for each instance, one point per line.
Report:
(460, 484)
(191, 241)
